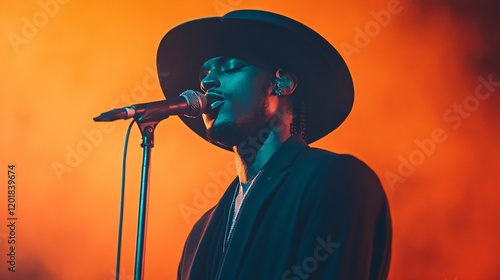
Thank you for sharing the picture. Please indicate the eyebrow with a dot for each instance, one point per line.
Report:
(219, 61)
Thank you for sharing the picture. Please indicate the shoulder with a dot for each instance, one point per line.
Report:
(337, 177)
(317, 155)
(202, 223)
(329, 164)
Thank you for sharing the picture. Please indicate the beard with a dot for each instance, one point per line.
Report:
(230, 134)
(226, 134)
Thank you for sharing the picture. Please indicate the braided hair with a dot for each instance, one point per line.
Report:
(298, 124)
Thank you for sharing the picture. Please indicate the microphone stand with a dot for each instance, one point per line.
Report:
(147, 117)
(147, 127)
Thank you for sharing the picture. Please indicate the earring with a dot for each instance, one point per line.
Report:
(278, 90)
(281, 82)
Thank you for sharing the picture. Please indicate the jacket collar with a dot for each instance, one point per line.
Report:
(274, 172)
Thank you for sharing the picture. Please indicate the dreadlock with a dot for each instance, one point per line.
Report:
(298, 124)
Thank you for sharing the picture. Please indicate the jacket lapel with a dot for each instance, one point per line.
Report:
(274, 172)
(198, 264)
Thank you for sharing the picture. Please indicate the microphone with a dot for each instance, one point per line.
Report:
(190, 104)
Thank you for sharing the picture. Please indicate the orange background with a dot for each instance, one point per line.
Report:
(63, 63)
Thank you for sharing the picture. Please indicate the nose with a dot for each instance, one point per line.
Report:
(209, 81)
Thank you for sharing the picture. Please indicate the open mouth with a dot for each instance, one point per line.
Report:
(214, 105)
(215, 101)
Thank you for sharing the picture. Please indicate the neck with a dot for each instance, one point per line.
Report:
(252, 156)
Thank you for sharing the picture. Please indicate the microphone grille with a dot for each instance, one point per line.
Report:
(197, 103)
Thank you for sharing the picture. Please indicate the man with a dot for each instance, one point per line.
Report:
(294, 212)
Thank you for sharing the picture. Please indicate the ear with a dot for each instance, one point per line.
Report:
(285, 82)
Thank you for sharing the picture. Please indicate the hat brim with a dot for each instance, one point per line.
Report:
(324, 81)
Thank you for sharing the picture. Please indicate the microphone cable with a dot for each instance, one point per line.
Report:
(122, 198)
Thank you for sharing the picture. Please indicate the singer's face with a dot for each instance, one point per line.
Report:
(240, 97)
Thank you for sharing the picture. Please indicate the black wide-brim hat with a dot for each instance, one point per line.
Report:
(324, 81)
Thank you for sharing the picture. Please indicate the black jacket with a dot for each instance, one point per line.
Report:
(311, 214)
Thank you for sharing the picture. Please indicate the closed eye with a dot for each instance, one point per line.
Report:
(232, 69)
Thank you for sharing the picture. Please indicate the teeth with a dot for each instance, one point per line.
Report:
(214, 104)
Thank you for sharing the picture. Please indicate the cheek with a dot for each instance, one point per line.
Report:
(272, 105)
(247, 94)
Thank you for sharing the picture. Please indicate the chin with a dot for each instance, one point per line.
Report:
(226, 134)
